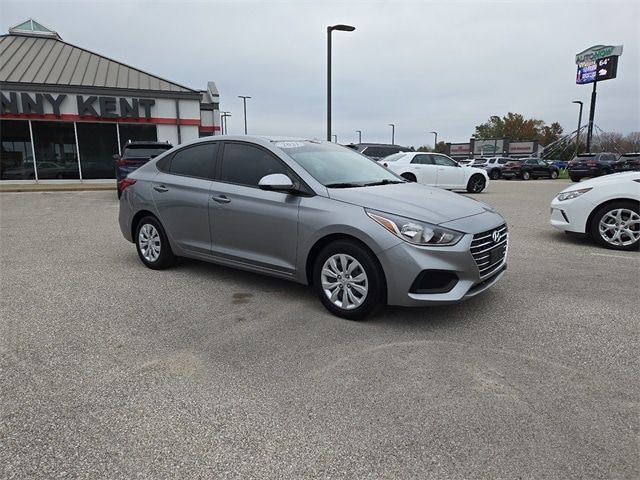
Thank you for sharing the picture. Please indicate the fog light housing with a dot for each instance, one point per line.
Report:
(434, 281)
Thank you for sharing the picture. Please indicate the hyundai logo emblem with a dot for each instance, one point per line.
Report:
(495, 236)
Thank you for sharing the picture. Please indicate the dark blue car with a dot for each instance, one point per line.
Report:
(134, 155)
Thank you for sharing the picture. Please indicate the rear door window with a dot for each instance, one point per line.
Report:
(195, 161)
(422, 160)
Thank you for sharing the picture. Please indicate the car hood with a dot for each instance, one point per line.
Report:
(411, 200)
(612, 178)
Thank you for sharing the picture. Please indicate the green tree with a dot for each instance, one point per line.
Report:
(441, 147)
(517, 128)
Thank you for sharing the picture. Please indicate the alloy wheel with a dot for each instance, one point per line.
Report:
(344, 281)
(149, 242)
(620, 227)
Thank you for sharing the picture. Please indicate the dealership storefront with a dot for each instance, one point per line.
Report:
(494, 147)
(66, 111)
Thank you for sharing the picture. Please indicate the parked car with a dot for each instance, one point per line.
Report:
(561, 165)
(46, 170)
(437, 170)
(627, 162)
(134, 155)
(377, 151)
(528, 168)
(316, 213)
(465, 162)
(607, 209)
(591, 165)
(493, 166)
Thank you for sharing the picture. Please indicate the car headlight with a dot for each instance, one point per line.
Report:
(572, 194)
(415, 231)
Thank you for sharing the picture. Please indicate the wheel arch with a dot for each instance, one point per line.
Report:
(587, 226)
(317, 247)
(137, 217)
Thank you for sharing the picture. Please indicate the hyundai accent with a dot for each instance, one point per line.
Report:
(316, 213)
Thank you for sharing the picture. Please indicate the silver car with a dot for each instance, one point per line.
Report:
(315, 213)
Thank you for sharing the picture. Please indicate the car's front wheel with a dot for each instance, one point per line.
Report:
(553, 175)
(152, 244)
(617, 225)
(349, 280)
(476, 184)
(409, 176)
(495, 174)
(526, 175)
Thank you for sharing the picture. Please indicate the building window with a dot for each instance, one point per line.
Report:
(16, 152)
(136, 132)
(98, 143)
(55, 146)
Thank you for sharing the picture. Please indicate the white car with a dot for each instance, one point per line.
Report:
(437, 170)
(605, 208)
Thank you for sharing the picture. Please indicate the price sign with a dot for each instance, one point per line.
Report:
(596, 71)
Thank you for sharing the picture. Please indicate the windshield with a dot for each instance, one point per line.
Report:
(394, 157)
(335, 166)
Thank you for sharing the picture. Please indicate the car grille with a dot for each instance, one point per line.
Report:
(490, 255)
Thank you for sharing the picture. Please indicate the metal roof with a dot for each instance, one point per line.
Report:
(28, 58)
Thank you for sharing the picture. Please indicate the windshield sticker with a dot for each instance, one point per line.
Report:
(289, 144)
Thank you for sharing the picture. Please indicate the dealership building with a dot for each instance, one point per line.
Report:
(66, 110)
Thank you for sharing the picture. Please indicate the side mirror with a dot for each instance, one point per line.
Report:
(276, 181)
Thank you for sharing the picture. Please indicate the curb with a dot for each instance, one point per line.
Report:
(87, 187)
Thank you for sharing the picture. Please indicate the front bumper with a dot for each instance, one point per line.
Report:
(570, 215)
(404, 262)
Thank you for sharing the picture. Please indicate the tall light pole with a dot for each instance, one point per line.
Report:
(359, 132)
(579, 125)
(435, 142)
(393, 133)
(341, 28)
(224, 122)
(244, 104)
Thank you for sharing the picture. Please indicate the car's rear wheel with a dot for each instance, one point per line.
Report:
(152, 244)
(476, 183)
(617, 225)
(553, 175)
(574, 179)
(495, 174)
(409, 176)
(526, 176)
(349, 280)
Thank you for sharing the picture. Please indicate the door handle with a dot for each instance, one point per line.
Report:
(160, 188)
(220, 198)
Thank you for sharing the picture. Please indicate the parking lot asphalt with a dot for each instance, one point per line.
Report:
(111, 370)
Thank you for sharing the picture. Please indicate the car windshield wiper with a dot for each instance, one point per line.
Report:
(382, 182)
(343, 185)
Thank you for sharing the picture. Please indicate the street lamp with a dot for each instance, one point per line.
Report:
(359, 132)
(223, 121)
(435, 142)
(393, 133)
(579, 125)
(244, 104)
(341, 28)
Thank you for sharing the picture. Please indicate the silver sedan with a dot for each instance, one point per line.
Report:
(315, 213)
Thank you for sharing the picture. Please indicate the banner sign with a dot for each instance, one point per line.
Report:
(603, 69)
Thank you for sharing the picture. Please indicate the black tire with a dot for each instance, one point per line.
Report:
(165, 258)
(476, 183)
(409, 176)
(526, 176)
(376, 296)
(553, 175)
(601, 212)
(495, 174)
(574, 179)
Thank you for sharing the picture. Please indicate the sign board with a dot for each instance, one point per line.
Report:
(488, 147)
(597, 52)
(603, 69)
(521, 147)
(459, 149)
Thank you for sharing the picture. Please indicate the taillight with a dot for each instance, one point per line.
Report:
(127, 182)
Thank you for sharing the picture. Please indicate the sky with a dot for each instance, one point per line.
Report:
(424, 66)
